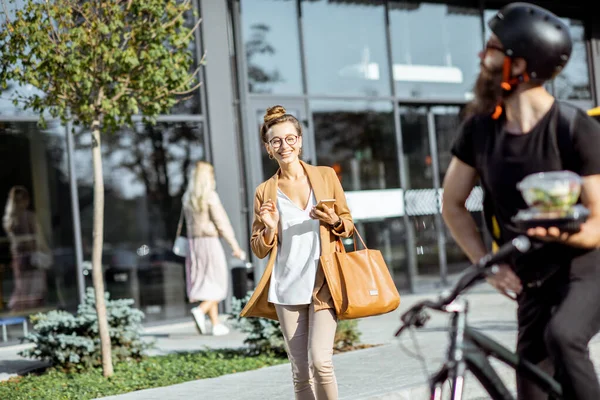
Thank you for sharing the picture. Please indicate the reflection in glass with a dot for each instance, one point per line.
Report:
(357, 139)
(573, 83)
(37, 263)
(390, 237)
(447, 122)
(270, 34)
(422, 201)
(190, 103)
(146, 172)
(434, 49)
(345, 46)
(417, 151)
(420, 196)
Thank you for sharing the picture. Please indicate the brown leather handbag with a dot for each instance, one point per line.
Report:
(359, 281)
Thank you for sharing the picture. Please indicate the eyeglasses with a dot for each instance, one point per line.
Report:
(277, 142)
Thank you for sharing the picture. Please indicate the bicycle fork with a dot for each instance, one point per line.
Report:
(455, 367)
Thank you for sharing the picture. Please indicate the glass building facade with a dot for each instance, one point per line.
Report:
(379, 87)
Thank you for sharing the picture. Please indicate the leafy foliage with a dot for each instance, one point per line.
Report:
(264, 335)
(71, 341)
(106, 60)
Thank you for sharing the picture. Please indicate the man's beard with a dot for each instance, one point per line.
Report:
(488, 92)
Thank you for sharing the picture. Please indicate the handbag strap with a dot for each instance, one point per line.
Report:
(340, 244)
(359, 237)
(179, 224)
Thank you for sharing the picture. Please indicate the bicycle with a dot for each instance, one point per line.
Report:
(469, 349)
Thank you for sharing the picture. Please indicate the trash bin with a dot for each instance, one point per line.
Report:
(241, 277)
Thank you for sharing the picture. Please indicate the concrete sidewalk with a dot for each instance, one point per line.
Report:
(382, 373)
(385, 372)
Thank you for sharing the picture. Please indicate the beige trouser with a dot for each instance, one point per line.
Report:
(309, 343)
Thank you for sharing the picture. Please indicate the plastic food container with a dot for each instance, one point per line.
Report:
(551, 191)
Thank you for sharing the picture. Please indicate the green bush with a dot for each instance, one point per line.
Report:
(347, 335)
(72, 342)
(264, 335)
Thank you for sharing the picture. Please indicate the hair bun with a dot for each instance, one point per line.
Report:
(274, 113)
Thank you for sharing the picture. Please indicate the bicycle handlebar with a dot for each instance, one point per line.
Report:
(415, 315)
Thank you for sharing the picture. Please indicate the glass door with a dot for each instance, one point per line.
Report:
(421, 194)
(446, 122)
(427, 135)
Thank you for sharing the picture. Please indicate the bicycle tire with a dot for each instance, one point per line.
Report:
(489, 379)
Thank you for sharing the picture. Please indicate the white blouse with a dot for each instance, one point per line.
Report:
(298, 252)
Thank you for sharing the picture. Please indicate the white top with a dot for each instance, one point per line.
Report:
(298, 252)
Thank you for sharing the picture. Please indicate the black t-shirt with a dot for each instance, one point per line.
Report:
(503, 159)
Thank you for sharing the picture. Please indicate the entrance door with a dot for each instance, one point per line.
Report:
(427, 136)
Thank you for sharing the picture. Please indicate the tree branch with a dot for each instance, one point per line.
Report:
(196, 72)
(5, 8)
(53, 30)
(122, 91)
(187, 37)
(196, 86)
(80, 11)
(98, 102)
(126, 40)
(174, 20)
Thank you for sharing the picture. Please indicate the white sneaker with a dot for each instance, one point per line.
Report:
(220, 330)
(200, 319)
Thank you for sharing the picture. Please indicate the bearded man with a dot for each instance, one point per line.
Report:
(514, 128)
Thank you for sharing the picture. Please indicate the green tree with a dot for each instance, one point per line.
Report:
(98, 63)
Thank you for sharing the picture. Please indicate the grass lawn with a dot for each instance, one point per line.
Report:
(130, 376)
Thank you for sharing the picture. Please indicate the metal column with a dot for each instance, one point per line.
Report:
(75, 214)
(410, 239)
(594, 59)
(439, 223)
(221, 115)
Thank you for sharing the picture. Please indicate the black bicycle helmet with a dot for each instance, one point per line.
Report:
(535, 34)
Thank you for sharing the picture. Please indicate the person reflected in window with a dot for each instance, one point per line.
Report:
(207, 277)
(290, 228)
(22, 229)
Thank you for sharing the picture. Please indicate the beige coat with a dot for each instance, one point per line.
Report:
(212, 221)
(325, 185)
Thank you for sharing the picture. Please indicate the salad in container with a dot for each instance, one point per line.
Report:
(552, 199)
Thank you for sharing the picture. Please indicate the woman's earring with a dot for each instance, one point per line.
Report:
(270, 156)
(300, 152)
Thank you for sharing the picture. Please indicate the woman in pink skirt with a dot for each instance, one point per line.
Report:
(26, 238)
(207, 277)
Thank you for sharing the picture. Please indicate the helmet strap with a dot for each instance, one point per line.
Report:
(509, 83)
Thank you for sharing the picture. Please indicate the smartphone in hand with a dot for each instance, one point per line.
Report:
(328, 202)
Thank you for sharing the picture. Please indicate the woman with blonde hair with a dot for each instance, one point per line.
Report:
(25, 238)
(290, 228)
(207, 278)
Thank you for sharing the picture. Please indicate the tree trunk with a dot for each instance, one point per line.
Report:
(98, 239)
